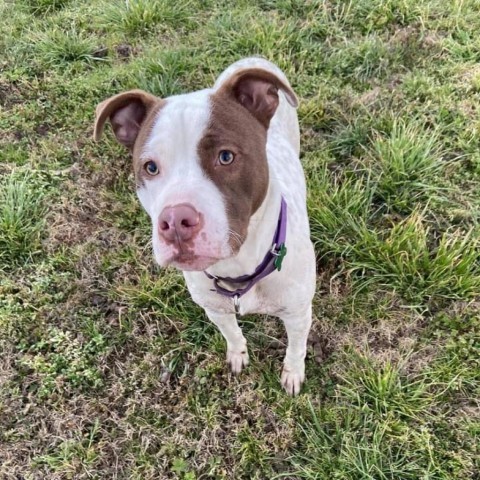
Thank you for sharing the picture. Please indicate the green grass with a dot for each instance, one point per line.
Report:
(22, 222)
(108, 369)
(58, 48)
(421, 269)
(43, 7)
(59, 361)
(140, 17)
(408, 165)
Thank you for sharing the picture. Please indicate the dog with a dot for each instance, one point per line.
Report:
(219, 174)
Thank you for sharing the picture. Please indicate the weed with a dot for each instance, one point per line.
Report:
(61, 362)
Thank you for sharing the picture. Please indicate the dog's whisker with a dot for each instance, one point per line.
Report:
(236, 237)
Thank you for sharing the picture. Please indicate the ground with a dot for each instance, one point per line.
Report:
(107, 368)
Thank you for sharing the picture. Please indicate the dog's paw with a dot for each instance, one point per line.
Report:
(237, 360)
(292, 379)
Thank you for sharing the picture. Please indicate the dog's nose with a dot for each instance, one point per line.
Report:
(178, 223)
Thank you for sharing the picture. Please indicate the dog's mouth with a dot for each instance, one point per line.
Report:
(192, 262)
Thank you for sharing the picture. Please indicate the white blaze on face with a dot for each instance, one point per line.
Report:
(172, 144)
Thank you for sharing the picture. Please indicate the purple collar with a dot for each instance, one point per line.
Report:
(271, 262)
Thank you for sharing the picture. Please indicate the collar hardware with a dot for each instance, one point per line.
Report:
(236, 304)
(280, 255)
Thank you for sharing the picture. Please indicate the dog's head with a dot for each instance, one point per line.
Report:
(200, 161)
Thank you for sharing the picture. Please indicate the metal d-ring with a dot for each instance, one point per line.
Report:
(236, 303)
(273, 250)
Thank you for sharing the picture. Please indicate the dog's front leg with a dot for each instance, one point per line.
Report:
(237, 354)
(297, 327)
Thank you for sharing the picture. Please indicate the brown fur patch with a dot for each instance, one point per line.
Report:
(243, 183)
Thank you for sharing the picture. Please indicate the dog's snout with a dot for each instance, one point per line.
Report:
(179, 222)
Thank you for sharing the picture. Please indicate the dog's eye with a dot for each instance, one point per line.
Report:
(151, 168)
(225, 157)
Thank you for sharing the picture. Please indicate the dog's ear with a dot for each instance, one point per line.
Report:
(126, 112)
(257, 90)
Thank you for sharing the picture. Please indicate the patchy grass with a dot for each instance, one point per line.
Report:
(108, 369)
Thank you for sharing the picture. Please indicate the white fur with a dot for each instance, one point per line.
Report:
(287, 294)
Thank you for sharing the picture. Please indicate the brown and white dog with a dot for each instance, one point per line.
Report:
(212, 168)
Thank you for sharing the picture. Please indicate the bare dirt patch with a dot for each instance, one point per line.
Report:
(9, 94)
